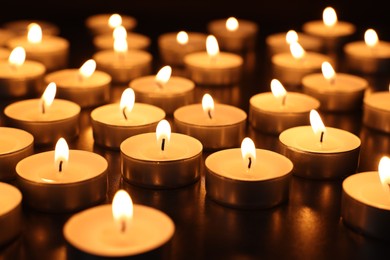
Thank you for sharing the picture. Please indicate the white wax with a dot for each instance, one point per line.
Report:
(311, 60)
(224, 115)
(318, 28)
(175, 86)
(343, 83)
(4, 53)
(70, 78)
(295, 103)
(141, 114)
(99, 23)
(223, 60)
(229, 163)
(10, 198)
(13, 140)
(378, 100)
(246, 28)
(93, 231)
(145, 147)
(30, 110)
(335, 140)
(367, 188)
(82, 165)
(130, 59)
(134, 41)
(277, 42)
(29, 69)
(361, 50)
(20, 27)
(49, 44)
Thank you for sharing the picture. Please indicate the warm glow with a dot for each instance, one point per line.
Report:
(291, 36)
(296, 50)
(384, 172)
(371, 38)
(163, 134)
(278, 90)
(115, 20)
(34, 34)
(119, 32)
(232, 24)
(17, 57)
(329, 17)
(208, 105)
(122, 210)
(120, 45)
(248, 151)
(48, 96)
(328, 71)
(212, 46)
(87, 69)
(163, 75)
(61, 154)
(127, 101)
(182, 37)
(317, 125)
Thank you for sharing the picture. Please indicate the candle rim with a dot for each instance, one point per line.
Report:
(12, 192)
(24, 139)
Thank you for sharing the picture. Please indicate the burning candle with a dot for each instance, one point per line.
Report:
(51, 51)
(113, 123)
(368, 56)
(336, 92)
(276, 111)
(18, 77)
(161, 159)
(215, 125)
(318, 152)
(62, 180)
(376, 111)
(106, 23)
(248, 177)
(214, 67)
(46, 118)
(85, 86)
(20, 27)
(365, 204)
(119, 229)
(164, 91)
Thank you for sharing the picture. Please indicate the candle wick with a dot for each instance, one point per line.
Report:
(159, 85)
(209, 114)
(81, 77)
(332, 81)
(322, 137)
(163, 144)
(60, 166)
(43, 107)
(284, 100)
(123, 226)
(250, 162)
(124, 113)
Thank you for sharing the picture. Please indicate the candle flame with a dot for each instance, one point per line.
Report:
(278, 90)
(163, 75)
(17, 57)
(212, 46)
(317, 125)
(120, 45)
(371, 38)
(61, 154)
(328, 71)
(232, 24)
(182, 37)
(296, 50)
(34, 34)
(208, 105)
(119, 32)
(248, 152)
(115, 20)
(87, 69)
(122, 210)
(127, 101)
(329, 17)
(48, 96)
(291, 36)
(384, 172)
(163, 134)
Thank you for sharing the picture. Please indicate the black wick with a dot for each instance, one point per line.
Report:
(250, 162)
(43, 107)
(284, 100)
(322, 137)
(124, 112)
(60, 166)
(123, 226)
(209, 113)
(163, 144)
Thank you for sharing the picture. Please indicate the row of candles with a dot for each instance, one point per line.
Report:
(243, 178)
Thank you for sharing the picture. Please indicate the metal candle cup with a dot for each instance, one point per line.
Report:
(265, 185)
(16, 144)
(376, 113)
(334, 158)
(144, 164)
(81, 184)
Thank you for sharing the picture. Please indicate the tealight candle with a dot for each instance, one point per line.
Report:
(276, 111)
(161, 159)
(113, 123)
(51, 51)
(234, 35)
(376, 111)
(213, 67)
(16, 144)
(20, 27)
(332, 32)
(5, 35)
(291, 67)
(105, 23)
(85, 86)
(318, 152)
(10, 213)
(46, 118)
(164, 91)
(122, 64)
(336, 92)
(215, 125)
(18, 77)
(368, 56)
(248, 177)
(62, 180)
(365, 204)
(120, 229)
(175, 45)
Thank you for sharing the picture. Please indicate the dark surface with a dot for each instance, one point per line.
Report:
(308, 226)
